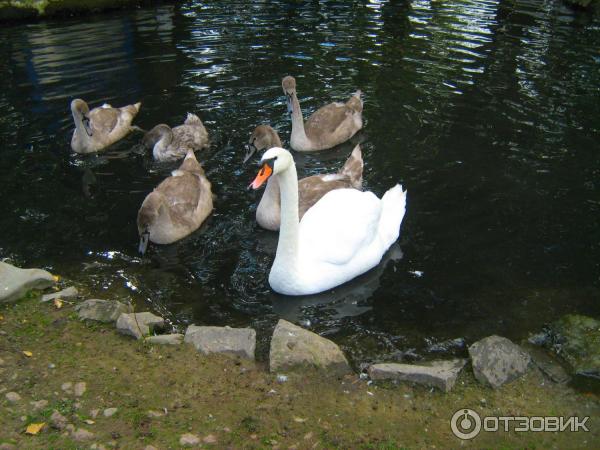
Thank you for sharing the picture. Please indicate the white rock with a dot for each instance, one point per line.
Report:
(189, 439)
(166, 339)
(15, 282)
(108, 412)
(65, 294)
(79, 388)
(13, 397)
(67, 387)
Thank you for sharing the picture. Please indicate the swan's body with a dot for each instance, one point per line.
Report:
(177, 206)
(310, 189)
(327, 127)
(343, 235)
(169, 144)
(103, 126)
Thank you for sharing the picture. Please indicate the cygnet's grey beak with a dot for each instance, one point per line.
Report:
(87, 126)
(144, 238)
(250, 150)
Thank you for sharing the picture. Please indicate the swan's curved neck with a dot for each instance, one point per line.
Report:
(79, 127)
(298, 132)
(287, 247)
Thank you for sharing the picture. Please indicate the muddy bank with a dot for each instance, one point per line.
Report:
(27, 10)
(90, 385)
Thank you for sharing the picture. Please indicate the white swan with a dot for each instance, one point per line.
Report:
(343, 235)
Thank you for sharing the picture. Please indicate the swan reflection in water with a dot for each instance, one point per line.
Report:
(347, 300)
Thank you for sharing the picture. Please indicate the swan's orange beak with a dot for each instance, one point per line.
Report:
(263, 175)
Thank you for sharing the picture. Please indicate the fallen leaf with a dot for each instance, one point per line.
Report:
(58, 303)
(56, 278)
(27, 353)
(34, 428)
(1, 317)
(299, 419)
(89, 421)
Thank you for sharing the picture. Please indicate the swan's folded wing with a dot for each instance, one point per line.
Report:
(339, 225)
(183, 192)
(312, 189)
(103, 119)
(326, 120)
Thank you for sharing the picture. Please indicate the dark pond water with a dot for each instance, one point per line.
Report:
(487, 111)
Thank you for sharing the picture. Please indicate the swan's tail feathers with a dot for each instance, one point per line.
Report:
(393, 206)
(192, 119)
(353, 168)
(190, 163)
(356, 102)
(132, 109)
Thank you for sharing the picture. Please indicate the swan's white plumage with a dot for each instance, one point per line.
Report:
(345, 234)
(322, 233)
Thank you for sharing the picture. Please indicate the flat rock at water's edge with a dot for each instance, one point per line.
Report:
(15, 282)
(234, 341)
(575, 339)
(65, 294)
(440, 374)
(139, 325)
(293, 346)
(101, 310)
(170, 339)
(497, 360)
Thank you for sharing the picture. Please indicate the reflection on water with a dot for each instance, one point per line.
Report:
(485, 110)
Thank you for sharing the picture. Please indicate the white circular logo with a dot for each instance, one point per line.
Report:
(465, 424)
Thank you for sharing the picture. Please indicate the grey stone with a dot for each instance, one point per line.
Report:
(39, 404)
(576, 340)
(13, 397)
(82, 435)
(189, 439)
(101, 310)
(67, 387)
(496, 361)
(58, 421)
(79, 388)
(439, 374)
(292, 346)
(209, 439)
(232, 341)
(15, 282)
(166, 339)
(108, 412)
(139, 325)
(548, 365)
(66, 294)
